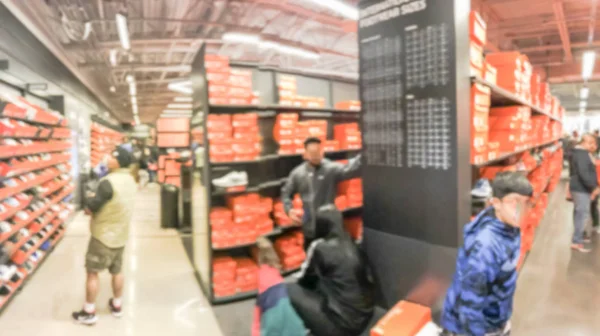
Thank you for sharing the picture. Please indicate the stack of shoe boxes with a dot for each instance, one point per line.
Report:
(234, 138)
(350, 105)
(173, 133)
(509, 129)
(224, 276)
(352, 191)
(514, 72)
(228, 86)
(480, 109)
(103, 142)
(288, 94)
(348, 136)
(245, 218)
(478, 39)
(290, 250)
(284, 132)
(281, 218)
(246, 275)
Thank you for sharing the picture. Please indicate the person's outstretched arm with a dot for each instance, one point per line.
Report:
(104, 193)
(349, 170)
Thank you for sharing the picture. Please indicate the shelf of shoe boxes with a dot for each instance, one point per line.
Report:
(237, 132)
(173, 135)
(516, 124)
(103, 142)
(34, 183)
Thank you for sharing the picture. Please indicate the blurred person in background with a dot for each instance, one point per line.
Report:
(334, 295)
(583, 185)
(273, 313)
(479, 301)
(111, 208)
(316, 181)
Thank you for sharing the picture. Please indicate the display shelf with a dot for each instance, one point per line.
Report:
(503, 157)
(278, 108)
(55, 187)
(39, 227)
(280, 156)
(45, 176)
(30, 166)
(15, 286)
(36, 147)
(25, 111)
(58, 237)
(503, 97)
(352, 209)
(20, 258)
(12, 211)
(290, 271)
(276, 231)
(18, 225)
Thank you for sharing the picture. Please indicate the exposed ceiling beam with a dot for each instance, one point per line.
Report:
(563, 30)
(139, 67)
(548, 47)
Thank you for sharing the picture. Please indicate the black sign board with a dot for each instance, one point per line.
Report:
(414, 155)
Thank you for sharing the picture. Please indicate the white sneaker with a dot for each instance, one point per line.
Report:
(233, 179)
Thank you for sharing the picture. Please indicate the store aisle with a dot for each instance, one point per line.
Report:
(161, 295)
(558, 291)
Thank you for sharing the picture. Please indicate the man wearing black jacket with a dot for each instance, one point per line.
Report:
(584, 188)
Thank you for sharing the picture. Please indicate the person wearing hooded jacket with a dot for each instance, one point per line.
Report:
(479, 301)
(334, 294)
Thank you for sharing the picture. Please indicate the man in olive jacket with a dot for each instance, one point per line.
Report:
(111, 209)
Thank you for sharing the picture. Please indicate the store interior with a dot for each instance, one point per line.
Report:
(218, 98)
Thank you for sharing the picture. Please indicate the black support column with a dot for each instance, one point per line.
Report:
(414, 87)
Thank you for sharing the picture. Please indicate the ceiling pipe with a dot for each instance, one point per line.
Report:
(563, 30)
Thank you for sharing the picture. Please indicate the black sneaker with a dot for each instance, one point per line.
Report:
(116, 312)
(84, 317)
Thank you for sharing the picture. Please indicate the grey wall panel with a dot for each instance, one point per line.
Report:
(343, 92)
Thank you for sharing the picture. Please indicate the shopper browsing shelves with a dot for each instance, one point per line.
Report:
(583, 186)
(315, 180)
(480, 299)
(111, 209)
(334, 293)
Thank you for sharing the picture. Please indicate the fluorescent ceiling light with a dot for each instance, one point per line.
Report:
(179, 106)
(130, 79)
(270, 45)
(583, 104)
(588, 62)
(183, 99)
(241, 38)
(123, 31)
(181, 86)
(582, 110)
(132, 89)
(584, 93)
(113, 89)
(87, 30)
(133, 100)
(113, 57)
(339, 7)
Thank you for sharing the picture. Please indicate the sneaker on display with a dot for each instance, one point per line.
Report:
(233, 179)
(482, 189)
(115, 311)
(4, 290)
(84, 317)
(4, 227)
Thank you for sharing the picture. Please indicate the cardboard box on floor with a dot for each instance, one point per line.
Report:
(404, 319)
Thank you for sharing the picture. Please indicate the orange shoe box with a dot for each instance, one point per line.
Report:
(481, 95)
(476, 58)
(477, 28)
(479, 119)
(404, 319)
(503, 59)
(490, 73)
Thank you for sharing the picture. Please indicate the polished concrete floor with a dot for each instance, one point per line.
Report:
(162, 296)
(558, 291)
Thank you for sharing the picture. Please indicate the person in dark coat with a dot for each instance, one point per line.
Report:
(334, 295)
(583, 186)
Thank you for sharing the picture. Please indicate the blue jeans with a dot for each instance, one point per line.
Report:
(581, 211)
